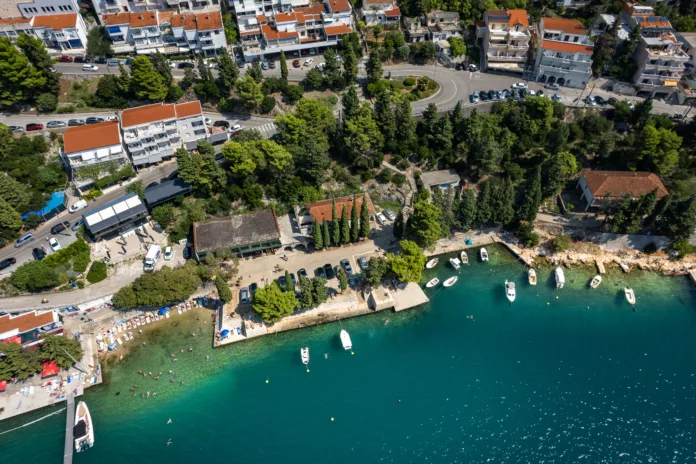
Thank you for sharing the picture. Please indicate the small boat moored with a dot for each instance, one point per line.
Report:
(83, 431)
(560, 278)
(624, 266)
(532, 276)
(455, 263)
(510, 291)
(432, 283)
(630, 296)
(451, 281)
(464, 257)
(304, 352)
(484, 255)
(345, 340)
(596, 280)
(432, 263)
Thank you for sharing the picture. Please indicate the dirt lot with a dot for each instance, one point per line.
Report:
(74, 89)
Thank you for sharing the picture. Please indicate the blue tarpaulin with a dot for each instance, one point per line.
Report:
(163, 311)
(224, 333)
(57, 200)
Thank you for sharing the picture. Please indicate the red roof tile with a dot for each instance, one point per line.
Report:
(322, 210)
(339, 6)
(566, 47)
(570, 26)
(25, 322)
(146, 114)
(91, 137)
(198, 21)
(185, 110)
(518, 17)
(393, 12)
(142, 19)
(55, 22)
(615, 184)
(338, 30)
(272, 34)
(14, 21)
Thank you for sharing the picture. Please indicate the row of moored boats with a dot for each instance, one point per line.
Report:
(345, 341)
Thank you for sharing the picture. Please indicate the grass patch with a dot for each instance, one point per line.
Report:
(390, 204)
(97, 272)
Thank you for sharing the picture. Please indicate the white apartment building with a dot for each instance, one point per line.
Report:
(153, 133)
(442, 25)
(269, 28)
(381, 12)
(659, 57)
(93, 145)
(103, 7)
(505, 38)
(166, 32)
(563, 53)
(59, 32)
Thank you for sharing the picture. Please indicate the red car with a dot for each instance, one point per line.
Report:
(296, 64)
(34, 127)
(65, 59)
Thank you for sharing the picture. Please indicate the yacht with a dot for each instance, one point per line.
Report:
(455, 263)
(345, 340)
(510, 291)
(560, 278)
(484, 255)
(304, 352)
(83, 431)
(532, 277)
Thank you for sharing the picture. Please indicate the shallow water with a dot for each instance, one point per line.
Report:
(571, 375)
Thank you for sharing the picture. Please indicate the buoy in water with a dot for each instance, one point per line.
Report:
(352, 353)
(332, 419)
(266, 380)
(307, 370)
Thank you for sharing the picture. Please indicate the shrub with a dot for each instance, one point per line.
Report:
(367, 174)
(272, 84)
(158, 288)
(77, 252)
(80, 284)
(34, 275)
(92, 194)
(398, 179)
(293, 93)
(527, 235)
(97, 272)
(268, 104)
(410, 81)
(333, 99)
(47, 102)
(385, 175)
(403, 164)
(396, 86)
(561, 242)
(66, 109)
(224, 291)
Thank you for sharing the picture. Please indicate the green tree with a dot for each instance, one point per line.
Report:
(317, 235)
(466, 214)
(350, 67)
(350, 103)
(659, 148)
(311, 161)
(60, 349)
(425, 223)
(283, 67)
(159, 288)
(34, 276)
(35, 50)
(377, 268)
(293, 93)
(399, 225)
(146, 82)
(319, 291)
(174, 93)
(561, 242)
(386, 120)
(14, 193)
(273, 304)
(457, 46)
(230, 27)
(314, 79)
(97, 42)
(364, 219)
(408, 266)
(19, 80)
(326, 237)
(483, 204)
(288, 287)
(16, 363)
(354, 222)
(362, 138)
(97, 272)
(202, 69)
(123, 81)
(345, 228)
(679, 219)
(200, 169)
(255, 72)
(405, 127)
(306, 293)
(374, 67)
(223, 289)
(335, 224)
(228, 71)
(249, 92)
(342, 279)
(10, 222)
(136, 187)
(562, 167)
(531, 200)
(188, 79)
(161, 67)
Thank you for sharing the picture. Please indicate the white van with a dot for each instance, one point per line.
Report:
(153, 254)
(77, 206)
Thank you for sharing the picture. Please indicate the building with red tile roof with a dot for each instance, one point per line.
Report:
(27, 329)
(64, 31)
(563, 53)
(505, 40)
(600, 187)
(381, 12)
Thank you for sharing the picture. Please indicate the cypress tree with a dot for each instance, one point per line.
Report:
(467, 209)
(507, 196)
(288, 281)
(335, 223)
(326, 237)
(283, 68)
(345, 230)
(354, 221)
(364, 219)
(532, 198)
(317, 235)
(483, 205)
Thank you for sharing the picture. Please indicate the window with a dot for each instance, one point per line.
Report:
(52, 9)
(69, 7)
(43, 9)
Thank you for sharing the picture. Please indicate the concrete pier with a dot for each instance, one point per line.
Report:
(69, 423)
(600, 266)
(692, 274)
(410, 296)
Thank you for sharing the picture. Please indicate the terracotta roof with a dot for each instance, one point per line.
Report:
(566, 47)
(55, 22)
(571, 26)
(649, 22)
(165, 17)
(142, 19)
(322, 210)
(615, 184)
(314, 9)
(261, 19)
(338, 6)
(14, 21)
(91, 137)
(285, 17)
(185, 110)
(25, 322)
(518, 17)
(338, 30)
(393, 12)
(116, 19)
(272, 34)
(145, 114)
(200, 21)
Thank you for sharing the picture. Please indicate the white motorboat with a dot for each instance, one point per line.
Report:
(596, 280)
(624, 266)
(464, 257)
(83, 431)
(630, 296)
(451, 281)
(456, 264)
(532, 276)
(432, 263)
(510, 291)
(345, 340)
(484, 255)
(432, 283)
(304, 352)
(560, 278)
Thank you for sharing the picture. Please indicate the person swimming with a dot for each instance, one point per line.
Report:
(169, 421)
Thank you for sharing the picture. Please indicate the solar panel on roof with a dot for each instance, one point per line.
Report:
(665, 19)
(499, 18)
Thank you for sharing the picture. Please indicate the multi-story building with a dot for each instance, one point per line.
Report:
(59, 32)
(166, 32)
(505, 38)
(268, 29)
(93, 151)
(442, 25)
(414, 30)
(381, 12)
(563, 53)
(152, 133)
(29, 9)
(103, 7)
(28, 329)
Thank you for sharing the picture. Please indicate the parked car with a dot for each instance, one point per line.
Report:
(346, 266)
(38, 254)
(519, 85)
(473, 68)
(100, 60)
(612, 100)
(34, 127)
(532, 92)
(112, 63)
(252, 289)
(221, 123)
(264, 65)
(60, 227)
(244, 295)
(241, 64)
(5, 263)
(600, 101)
(90, 67)
(55, 124)
(492, 95)
(236, 128)
(54, 244)
(296, 64)
(362, 262)
(483, 95)
(590, 101)
(77, 224)
(24, 239)
(16, 129)
(77, 206)
(188, 252)
(381, 218)
(474, 98)
(185, 65)
(93, 120)
(319, 272)
(553, 86)
(390, 214)
(302, 273)
(308, 61)
(272, 64)
(506, 93)
(82, 59)
(65, 59)
(76, 122)
(282, 281)
(330, 273)
(168, 253)
(556, 97)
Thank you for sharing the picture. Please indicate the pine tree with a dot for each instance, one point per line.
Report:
(467, 209)
(336, 224)
(202, 69)
(405, 127)
(507, 193)
(374, 67)
(354, 222)
(325, 232)
(350, 66)
(483, 205)
(342, 279)
(350, 103)
(288, 282)
(399, 224)
(364, 219)
(306, 293)
(345, 229)
(532, 197)
(386, 120)
(317, 235)
(228, 71)
(283, 68)
(145, 81)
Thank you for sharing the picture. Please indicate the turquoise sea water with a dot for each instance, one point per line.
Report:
(578, 378)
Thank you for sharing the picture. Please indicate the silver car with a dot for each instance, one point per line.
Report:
(55, 124)
(390, 214)
(381, 218)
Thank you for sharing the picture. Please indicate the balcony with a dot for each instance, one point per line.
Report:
(512, 59)
(130, 136)
(77, 162)
(518, 47)
(498, 32)
(679, 55)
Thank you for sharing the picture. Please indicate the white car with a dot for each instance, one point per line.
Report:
(77, 206)
(308, 61)
(90, 67)
(553, 86)
(381, 218)
(168, 253)
(55, 246)
(208, 122)
(111, 118)
(531, 93)
(590, 101)
(519, 85)
(236, 128)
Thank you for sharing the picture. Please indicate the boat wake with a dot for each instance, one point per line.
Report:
(32, 422)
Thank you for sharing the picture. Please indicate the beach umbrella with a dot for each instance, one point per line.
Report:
(163, 311)
(224, 333)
